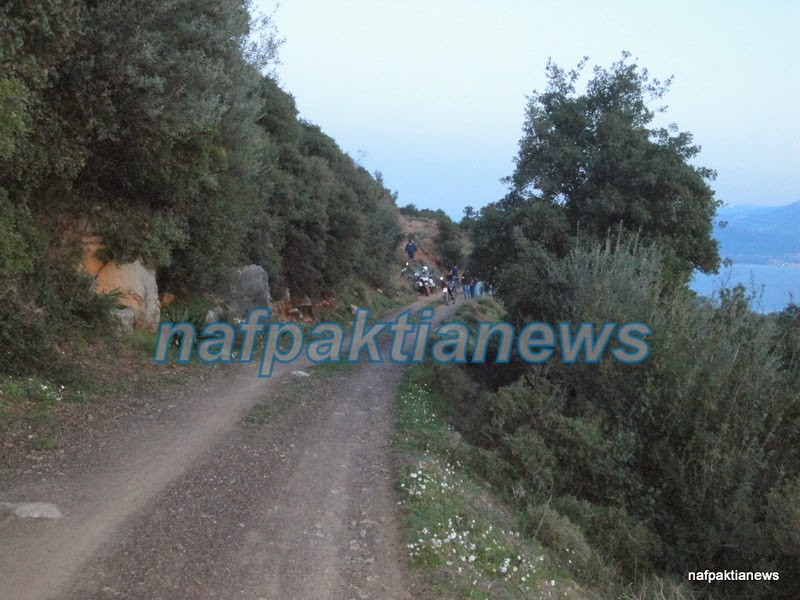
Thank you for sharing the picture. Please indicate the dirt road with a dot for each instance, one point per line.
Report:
(251, 488)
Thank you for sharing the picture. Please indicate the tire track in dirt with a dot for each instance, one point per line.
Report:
(204, 506)
(300, 507)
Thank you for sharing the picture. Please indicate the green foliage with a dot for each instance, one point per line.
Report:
(688, 458)
(154, 123)
(468, 220)
(592, 163)
(51, 305)
(505, 228)
(325, 216)
(458, 531)
(12, 122)
(20, 242)
(411, 210)
(448, 243)
(560, 535)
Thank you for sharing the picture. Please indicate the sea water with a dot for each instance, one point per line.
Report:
(774, 286)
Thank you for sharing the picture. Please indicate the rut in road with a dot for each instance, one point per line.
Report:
(298, 508)
(186, 498)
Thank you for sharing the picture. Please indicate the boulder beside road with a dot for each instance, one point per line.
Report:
(248, 289)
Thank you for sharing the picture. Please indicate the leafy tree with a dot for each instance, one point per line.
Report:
(506, 230)
(325, 219)
(468, 220)
(448, 243)
(159, 123)
(697, 446)
(596, 158)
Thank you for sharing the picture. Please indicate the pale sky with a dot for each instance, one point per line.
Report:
(431, 93)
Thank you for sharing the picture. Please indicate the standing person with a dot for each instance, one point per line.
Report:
(411, 249)
(454, 274)
(466, 284)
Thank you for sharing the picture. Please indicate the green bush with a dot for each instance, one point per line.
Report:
(688, 458)
(565, 540)
(52, 306)
(621, 539)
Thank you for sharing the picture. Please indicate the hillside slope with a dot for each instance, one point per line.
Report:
(760, 234)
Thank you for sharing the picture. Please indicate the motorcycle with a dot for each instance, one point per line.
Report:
(407, 272)
(448, 290)
(424, 283)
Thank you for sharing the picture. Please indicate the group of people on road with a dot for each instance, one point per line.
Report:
(467, 281)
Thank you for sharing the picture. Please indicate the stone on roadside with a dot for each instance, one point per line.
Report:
(125, 317)
(32, 510)
(214, 315)
(138, 290)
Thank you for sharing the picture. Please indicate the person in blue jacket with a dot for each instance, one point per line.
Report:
(411, 249)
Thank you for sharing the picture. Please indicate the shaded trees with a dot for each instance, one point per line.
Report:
(596, 159)
(688, 457)
(324, 219)
(154, 122)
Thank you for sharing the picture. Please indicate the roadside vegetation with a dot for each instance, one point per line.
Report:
(468, 538)
(92, 376)
(36, 410)
(174, 142)
(628, 476)
(460, 535)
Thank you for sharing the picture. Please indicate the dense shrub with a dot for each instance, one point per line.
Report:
(159, 124)
(686, 459)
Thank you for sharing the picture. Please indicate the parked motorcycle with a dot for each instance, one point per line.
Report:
(424, 283)
(448, 290)
(408, 273)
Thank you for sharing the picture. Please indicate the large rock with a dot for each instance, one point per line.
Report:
(138, 289)
(249, 289)
(135, 282)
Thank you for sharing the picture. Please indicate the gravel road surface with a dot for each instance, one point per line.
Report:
(276, 489)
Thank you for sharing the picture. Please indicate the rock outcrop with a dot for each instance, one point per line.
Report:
(138, 289)
(249, 289)
(135, 282)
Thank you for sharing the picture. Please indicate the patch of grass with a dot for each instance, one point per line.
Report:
(36, 389)
(333, 369)
(45, 443)
(458, 533)
(37, 414)
(191, 303)
(39, 407)
(480, 310)
(30, 402)
(142, 340)
(259, 415)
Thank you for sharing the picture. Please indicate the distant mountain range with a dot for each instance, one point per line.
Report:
(760, 234)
